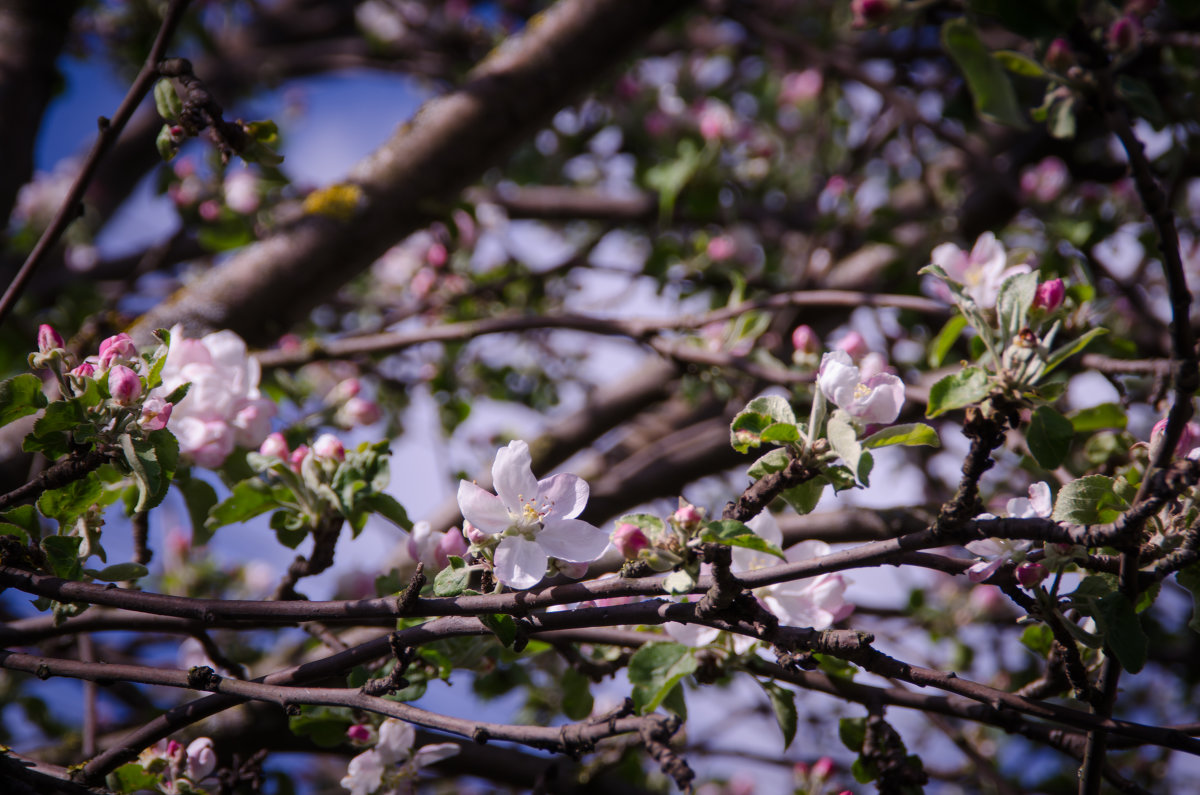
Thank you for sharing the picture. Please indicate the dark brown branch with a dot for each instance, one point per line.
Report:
(66, 471)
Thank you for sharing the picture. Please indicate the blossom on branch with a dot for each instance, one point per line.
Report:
(997, 551)
(392, 765)
(875, 399)
(534, 519)
(980, 271)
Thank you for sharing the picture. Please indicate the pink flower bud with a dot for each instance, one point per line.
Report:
(48, 339)
(572, 570)
(869, 12)
(358, 411)
(805, 340)
(298, 456)
(1030, 574)
(124, 384)
(85, 370)
(116, 347)
(822, 767)
(1059, 56)
(437, 255)
(473, 533)
(275, 446)
(1189, 439)
(853, 344)
(359, 733)
(801, 87)
(345, 389)
(210, 210)
(1123, 35)
(201, 759)
(688, 514)
(721, 248)
(156, 412)
(629, 540)
(1050, 295)
(329, 446)
(451, 543)
(173, 748)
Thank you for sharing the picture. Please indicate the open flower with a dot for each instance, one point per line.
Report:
(980, 271)
(997, 551)
(392, 764)
(535, 519)
(877, 399)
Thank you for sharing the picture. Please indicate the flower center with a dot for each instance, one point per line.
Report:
(861, 391)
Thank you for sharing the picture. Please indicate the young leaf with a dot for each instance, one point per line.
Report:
(1122, 631)
(783, 704)
(804, 498)
(843, 438)
(118, 572)
(1097, 418)
(910, 435)
(770, 463)
(502, 625)
(249, 498)
(990, 88)
(1068, 350)
(62, 553)
(967, 386)
(1049, 437)
(736, 534)
(20, 396)
(945, 340)
(655, 669)
(1087, 500)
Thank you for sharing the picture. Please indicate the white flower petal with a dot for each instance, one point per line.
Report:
(563, 495)
(364, 774)
(429, 754)
(512, 475)
(765, 526)
(987, 548)
(572, 540)
(1041, 499)
(396, 738)
(520, 563)
(690, 634)
(482, 508)
(984, 569)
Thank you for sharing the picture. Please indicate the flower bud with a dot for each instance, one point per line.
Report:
(174, 748)
(474, 534)
(298, 456)
(437, 255)
(1188, 439)
(201, 759)
(721, 248)
(869, 12)
(629, 540)
(329, 446)
(688, 514)
(156, 412)
(85, 370)
(853, 344)
(124, 384)
(1030, 574)
(116, 347)
(1049, 295)
(276, 446)
(345, 389)
(1059, 56)
(359, 734)
(358, 411)
(451, 543)
(805, 340)
(48, 339)
(822, 767)
(1123, 34)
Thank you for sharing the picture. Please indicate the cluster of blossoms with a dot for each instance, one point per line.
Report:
(351, 408)
(995, 552)
(983, 270)
(223, 408)
(818, 602)
(180, 771)
(327, 447)
(528, 522)
(390, 768)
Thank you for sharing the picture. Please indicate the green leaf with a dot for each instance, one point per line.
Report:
(386, 506)
(843, 438)
(964, 388)
(1019, 64)
(783, 704)
(1049, 437)
(736, 534)
(910, 435)
(670, 176)
(1038, 638)
(130, 778)
(1088, 500)
(199, 497)
(1096, 418)
(655, 669)
(781, 432)
(751, 423)
(62, 553)
(1068, 350)
(1013, 302)
(20, 396)
(577, 701)
(502, 625)
(118, 572)
(68, 503)
(804, 497)
(452, 580)
(774, 461)
(248, 499)
(1189, 578)
(290, 528)
(648, 523)
(852, 732)
(945, 339)
(326, 727)
(1122, 631)
(990, 87)
(22, 522)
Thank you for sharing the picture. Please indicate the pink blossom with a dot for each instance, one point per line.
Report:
(201, 759)
(877, 399)
(48, 339)
(124, 384)
(329, 446)
(206, 442)
(358, 411)
(1045, 181)
(721, 248)
(359, 733)
(275, 446)
(437, 255)
(1188, 439)
(981, 272)
(474, 534)
(116, 348)
(799, 88)
(241, 191)
(210, 210)
(688, 514)
(343, 391)
(629, 540)
(392, 763)
(1059, 56)
(853, 344)
(716, 120)
(156, 412)
(453, 543)
(822, 767)
(1050, 295)
(535, 519)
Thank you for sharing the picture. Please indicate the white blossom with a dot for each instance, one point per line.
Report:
(997, 551)
(981, 271)
(392, 764)
(876, 399)
(534, 519)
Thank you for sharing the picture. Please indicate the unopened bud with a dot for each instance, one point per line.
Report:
(853, 344)
(329, 446)
(721, 248)
(298, 456)
(688, 514)
(1049, 295)
(629, 540)
(1123, 34)
(1030, 574)
(48, 339)
(822, 767)
(85, 370)
(451, 543)
(156, 413)
(124, 384)
(1059, 56)
(869, 12)
(115, 348)
(201, 759)
(359, 734)
(275, 446)
(473, 533)
(805, 340)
